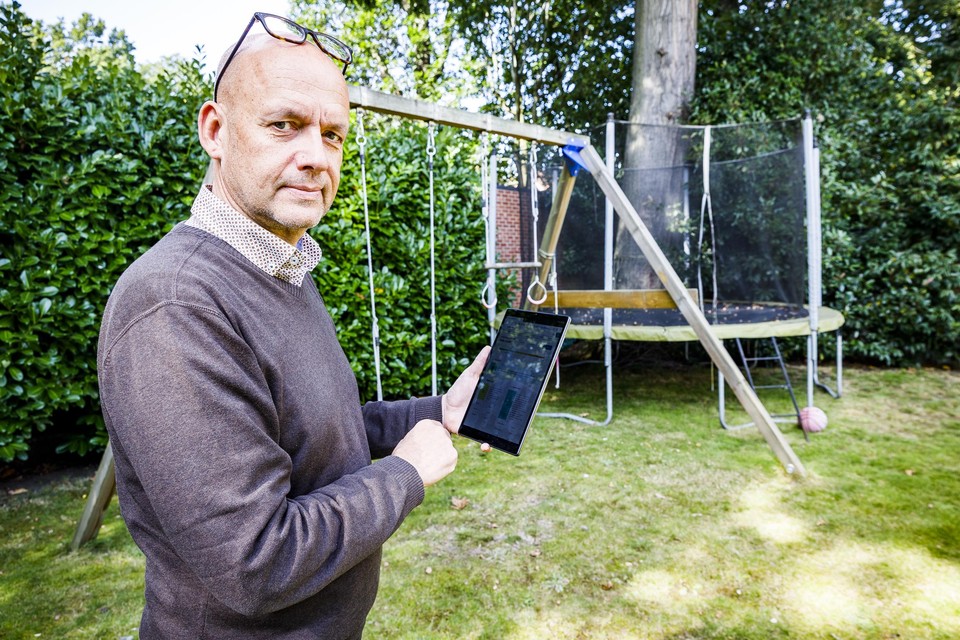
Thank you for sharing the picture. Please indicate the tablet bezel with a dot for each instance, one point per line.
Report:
(502, 444)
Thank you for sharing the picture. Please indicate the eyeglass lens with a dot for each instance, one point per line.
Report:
(290, 31)
(283, 29)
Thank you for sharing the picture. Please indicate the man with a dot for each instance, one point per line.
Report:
(243, 456)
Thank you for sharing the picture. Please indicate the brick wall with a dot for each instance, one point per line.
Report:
(509, 240)
(513, 239)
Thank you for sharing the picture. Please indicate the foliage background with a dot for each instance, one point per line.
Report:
(399, 207)
(880, 76)
(881, 79)
(96, 163)
(98, 158)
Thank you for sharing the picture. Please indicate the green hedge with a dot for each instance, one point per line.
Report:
(99, 158)
(888, 124)
(96, 164)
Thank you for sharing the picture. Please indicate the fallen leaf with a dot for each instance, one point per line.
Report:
(459, 503)
(909, 472)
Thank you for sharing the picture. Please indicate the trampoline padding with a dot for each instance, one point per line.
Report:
(730, 321)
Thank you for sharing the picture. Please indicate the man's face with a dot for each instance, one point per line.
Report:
(285, 111)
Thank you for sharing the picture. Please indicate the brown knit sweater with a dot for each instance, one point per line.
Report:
(243, 455)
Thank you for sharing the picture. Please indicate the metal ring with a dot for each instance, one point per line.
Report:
(536, 283)
(491, 301)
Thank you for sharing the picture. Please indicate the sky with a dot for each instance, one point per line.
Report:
(160, 28)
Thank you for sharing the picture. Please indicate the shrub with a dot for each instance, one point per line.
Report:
(889, 134)
(97, 164)
(100, 158)
(398, 188)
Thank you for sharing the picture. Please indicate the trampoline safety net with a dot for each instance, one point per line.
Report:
(726, 204)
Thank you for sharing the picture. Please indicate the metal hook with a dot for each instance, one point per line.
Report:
(431, 143)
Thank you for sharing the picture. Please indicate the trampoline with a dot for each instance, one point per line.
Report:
(735, 210)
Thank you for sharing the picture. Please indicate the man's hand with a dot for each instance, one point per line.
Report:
(428, 448)
(455, 400)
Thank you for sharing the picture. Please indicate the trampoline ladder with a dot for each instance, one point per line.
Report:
(749, 363)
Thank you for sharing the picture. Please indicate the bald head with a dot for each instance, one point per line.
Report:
(276, 133)
(250, 43)
(258, 50)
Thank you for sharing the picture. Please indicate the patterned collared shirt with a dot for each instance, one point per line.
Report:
(267, 251)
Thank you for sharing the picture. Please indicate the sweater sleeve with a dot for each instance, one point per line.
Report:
(388, 422)
(195, 428)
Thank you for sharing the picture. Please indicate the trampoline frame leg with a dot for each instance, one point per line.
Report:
(608, 365)
(813, 381)
(839, 375)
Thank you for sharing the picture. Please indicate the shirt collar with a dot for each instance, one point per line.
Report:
(268, 252)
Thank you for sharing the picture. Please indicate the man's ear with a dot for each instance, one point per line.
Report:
(210, 129)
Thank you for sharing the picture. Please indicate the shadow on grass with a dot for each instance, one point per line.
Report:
(660, 525)
(47, 591)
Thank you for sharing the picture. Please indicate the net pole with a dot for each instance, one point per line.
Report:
(610, 152)
(815, 293)
(492, 212)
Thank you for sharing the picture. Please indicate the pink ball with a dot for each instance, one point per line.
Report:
(812, 419)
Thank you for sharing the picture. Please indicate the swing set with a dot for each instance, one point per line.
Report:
(579, 155)
(536, 292)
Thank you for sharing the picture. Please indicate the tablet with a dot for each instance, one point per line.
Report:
(514, 379)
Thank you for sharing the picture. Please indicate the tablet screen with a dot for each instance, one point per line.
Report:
(514, 378)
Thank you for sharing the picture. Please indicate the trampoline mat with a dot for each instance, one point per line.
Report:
(721, 314)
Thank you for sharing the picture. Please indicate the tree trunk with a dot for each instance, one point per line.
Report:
(664, 64)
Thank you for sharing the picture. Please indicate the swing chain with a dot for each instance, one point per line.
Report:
(361, 136)
(535, 215)
(374, 321)
(488, 294)
(431, 151)
(484, 187)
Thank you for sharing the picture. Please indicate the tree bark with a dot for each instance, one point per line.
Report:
(664, 66)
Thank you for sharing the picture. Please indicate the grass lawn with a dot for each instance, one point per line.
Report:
(660, 525)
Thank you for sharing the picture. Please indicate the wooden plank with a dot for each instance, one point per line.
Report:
(718, 353)
(551, 233)
(428, 112)
(618, 299)
(101, 491)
